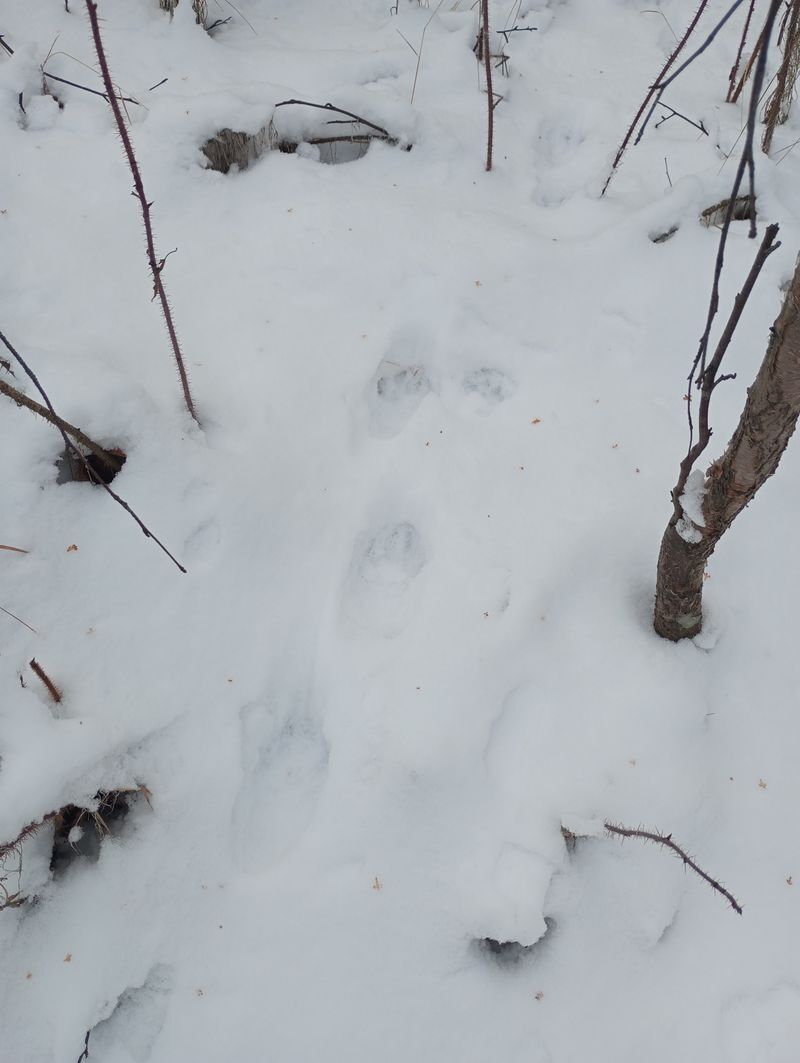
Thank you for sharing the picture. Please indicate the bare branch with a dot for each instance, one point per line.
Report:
(653, 89)
(85, 1053)
(155, 267)
(110, 461)
(487, 63)
(708, 380)
(668, 843)
(735, 67)
(57, 421)
(339, 110)
(85, 88)
(698, 376)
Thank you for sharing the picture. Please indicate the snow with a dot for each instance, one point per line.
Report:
(691, 501)
(692, 498)
(441, 411)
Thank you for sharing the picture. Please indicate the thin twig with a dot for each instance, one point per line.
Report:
(156, 265)
(672, 57)
(52, 689)
(702, 376)
(677, 114)
(85, 1053)
(742, 41)
(56, 420)
(85, 88)
(487, 64)
(3, 44)
(421, 46)
(517, 29)
(16, 549)
(661, 85)
(668, 843)
(707, 379)
(241, 16)
(19, 621)
(337, 110)
(751, 62)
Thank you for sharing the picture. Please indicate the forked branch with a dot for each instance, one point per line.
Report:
(668, 843)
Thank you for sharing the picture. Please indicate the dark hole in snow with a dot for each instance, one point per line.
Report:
(72, 470)
(509, 953)
(715, 214)
(311, 138)
(661, 238)
(237, 148)
(79, 832)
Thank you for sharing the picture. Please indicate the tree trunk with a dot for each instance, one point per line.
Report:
(768, 420)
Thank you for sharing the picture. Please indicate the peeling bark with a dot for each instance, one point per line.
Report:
(753, 454)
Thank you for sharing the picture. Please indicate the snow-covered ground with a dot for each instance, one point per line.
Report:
(441, 414)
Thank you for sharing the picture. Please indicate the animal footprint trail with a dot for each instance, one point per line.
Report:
(381, 595)
(284, 762)
(398, 386)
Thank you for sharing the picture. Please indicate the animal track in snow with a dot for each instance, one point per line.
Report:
(380, 593)
(765, 1028)
(398, 386)
(487, 388)
(284, 762)
(136, 1021)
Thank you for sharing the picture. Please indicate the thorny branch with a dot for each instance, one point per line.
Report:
(71, 447)
(487, 63)
(668, 843)
(111, 462)
(742, 42)
(660, 85)
(155, 267)
(52, 689)
(651, 92)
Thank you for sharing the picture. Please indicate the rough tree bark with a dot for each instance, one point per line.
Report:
(768, 420)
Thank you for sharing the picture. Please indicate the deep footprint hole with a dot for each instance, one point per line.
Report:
(94, 468)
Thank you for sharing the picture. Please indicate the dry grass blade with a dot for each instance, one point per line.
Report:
(16, 549)
(18, 619)
(777, 109)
